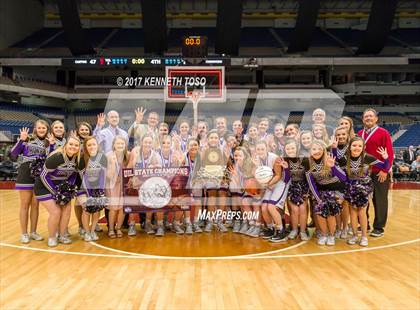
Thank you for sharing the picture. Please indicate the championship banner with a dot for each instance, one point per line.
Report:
(156, 189)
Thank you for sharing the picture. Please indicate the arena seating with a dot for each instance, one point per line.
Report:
(410, 137)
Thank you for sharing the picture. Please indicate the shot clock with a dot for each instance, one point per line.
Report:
(194, 46)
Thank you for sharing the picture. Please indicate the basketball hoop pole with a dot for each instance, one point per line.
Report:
(195, 97)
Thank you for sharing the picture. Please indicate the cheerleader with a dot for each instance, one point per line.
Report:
(171, 158)
(56, 187)
(240, 171)
(325, 181)
(57, 136)
(117, 159)
(359, 187)
(143, 156)
(339, 149)
(212, 181)
(297, 195)
(84, 131)
(306, 139)
(31, 150)
(93, 184)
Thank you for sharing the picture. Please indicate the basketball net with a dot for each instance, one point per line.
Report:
(195, 97)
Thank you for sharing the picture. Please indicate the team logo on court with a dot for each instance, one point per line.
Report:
(155, 192)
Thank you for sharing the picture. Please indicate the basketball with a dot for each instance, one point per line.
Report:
(252, 187)
(263, 174)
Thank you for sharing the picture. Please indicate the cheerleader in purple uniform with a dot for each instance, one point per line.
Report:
(56, 187)
(297, 196)
(93, 185)
(31, 150)
(57, 136)
(339, 150)
(325, 181)
(359, 184)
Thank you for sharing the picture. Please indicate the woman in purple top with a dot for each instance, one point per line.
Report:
(56, 187)
(359, 184)
(31, 150)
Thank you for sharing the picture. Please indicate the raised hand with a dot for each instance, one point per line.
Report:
(73, 133)
(194, 131)
(330, 162)
(139, 114)
(101, 120)
(282, 162)
(334, 142)
(24, 133)
(384, 153)
(51, 138)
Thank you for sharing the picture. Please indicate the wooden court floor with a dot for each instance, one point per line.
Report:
(212, 271)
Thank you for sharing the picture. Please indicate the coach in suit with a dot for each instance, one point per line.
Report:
(376, 137)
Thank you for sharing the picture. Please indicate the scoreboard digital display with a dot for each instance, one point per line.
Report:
(194, 47)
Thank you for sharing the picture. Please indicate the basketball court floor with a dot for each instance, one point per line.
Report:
(211, 271)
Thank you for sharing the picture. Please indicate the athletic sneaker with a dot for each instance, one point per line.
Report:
(25, 238)
(88, 237)
(244, 228)
(82, 231)
(221, 227)
(236, 226)
(177, 229)
(377, 233)
(94, 236)
(330, 240)
(65, 240)
(364, 241)
(37, 237)
(160, 231)
(132, 230)
(322, 240)
(267, 233)
(188, 229)
(250, 230)
(148, 228)
(98, 228)
(196, 227)
(279, 236)
(293, 234)
(338, 233)
(343, 234)
(255, 233)
(304, 236)
(318, 234)
(52, 242)
(209, 227)
(352, 240)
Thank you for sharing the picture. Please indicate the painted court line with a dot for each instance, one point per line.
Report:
(213, 258)
(200, 257)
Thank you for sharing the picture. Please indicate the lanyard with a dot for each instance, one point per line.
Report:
(369, 135)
